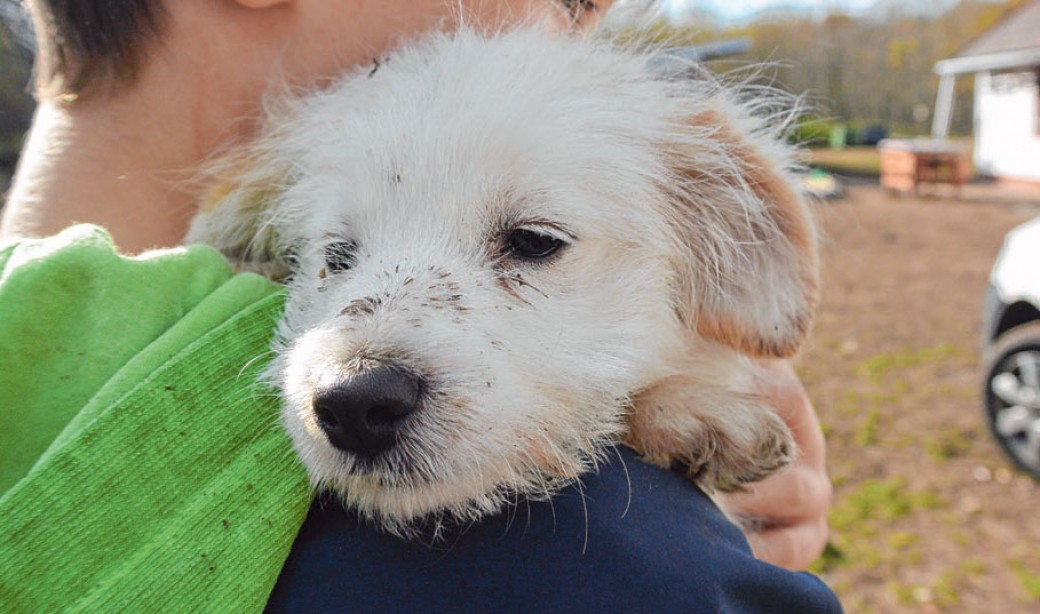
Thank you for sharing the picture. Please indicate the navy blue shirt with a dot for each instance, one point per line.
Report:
(633, 538)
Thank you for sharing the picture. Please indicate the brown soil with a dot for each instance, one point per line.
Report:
(928, 515)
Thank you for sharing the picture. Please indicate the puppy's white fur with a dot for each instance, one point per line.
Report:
(687, 251)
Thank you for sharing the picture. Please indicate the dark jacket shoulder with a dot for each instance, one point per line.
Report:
(629, 538)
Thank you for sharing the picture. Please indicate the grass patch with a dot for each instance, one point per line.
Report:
(961, 538)
(947, 589)
(859, 605)
(944, 592)
(877, 367)
(866, 433)
(973, 567)
(859, 519)
(950, 444)
(831, 558)
(1029, 581)
(905, 547)
(856, 403)
(879, 501)
(904, 594)
(850, 161)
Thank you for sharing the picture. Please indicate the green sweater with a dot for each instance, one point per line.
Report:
(142, 467)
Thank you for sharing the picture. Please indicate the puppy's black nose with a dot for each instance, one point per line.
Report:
(363, 414)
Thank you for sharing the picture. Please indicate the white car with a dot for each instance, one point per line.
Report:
(1011, 341)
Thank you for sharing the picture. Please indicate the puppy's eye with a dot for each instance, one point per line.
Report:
(340, 256)
(532, 245)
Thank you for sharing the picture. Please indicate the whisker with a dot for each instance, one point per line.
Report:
(253, 361)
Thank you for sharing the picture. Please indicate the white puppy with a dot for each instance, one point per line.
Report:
(507, 252)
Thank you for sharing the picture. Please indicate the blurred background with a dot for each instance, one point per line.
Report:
(922, 130)
(922, 127)
(16, 105)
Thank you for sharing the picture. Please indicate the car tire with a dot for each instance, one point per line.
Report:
(1011, 392)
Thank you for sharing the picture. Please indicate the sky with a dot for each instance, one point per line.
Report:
(739, 9)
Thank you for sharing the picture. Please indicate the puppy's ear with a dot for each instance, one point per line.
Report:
(748, 273)
(237, 215)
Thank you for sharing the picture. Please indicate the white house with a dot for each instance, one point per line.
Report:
(1006, 64)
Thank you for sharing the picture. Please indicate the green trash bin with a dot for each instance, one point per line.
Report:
(839, 134)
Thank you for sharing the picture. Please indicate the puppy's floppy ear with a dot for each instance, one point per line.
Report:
(238, 213)
(748, 273)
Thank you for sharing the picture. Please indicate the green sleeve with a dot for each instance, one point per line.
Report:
(141, 465)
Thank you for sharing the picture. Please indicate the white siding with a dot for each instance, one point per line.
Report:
(1007, 143)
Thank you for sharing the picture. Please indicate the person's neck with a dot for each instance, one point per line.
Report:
(126, 162)
(107, 164)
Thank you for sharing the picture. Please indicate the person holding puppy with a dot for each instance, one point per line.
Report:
(133, 104)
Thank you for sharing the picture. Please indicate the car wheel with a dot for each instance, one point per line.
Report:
(1012, 395)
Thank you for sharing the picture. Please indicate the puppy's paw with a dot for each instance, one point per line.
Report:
(725, 459)
(726, 439)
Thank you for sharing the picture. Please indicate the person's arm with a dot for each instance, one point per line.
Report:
(789, 509)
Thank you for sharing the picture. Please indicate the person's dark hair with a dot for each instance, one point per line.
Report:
(83, 43)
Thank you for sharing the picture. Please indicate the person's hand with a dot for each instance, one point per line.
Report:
(788, 510)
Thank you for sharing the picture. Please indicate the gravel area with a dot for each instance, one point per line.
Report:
(928, 515)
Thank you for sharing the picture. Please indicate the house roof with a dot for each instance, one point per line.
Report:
(1012, 42)
(1019, 30)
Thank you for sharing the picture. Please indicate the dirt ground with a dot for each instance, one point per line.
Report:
(928, 516)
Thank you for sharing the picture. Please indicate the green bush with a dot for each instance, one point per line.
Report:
(812, 132)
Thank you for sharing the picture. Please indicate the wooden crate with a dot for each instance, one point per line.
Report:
(907, 164)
